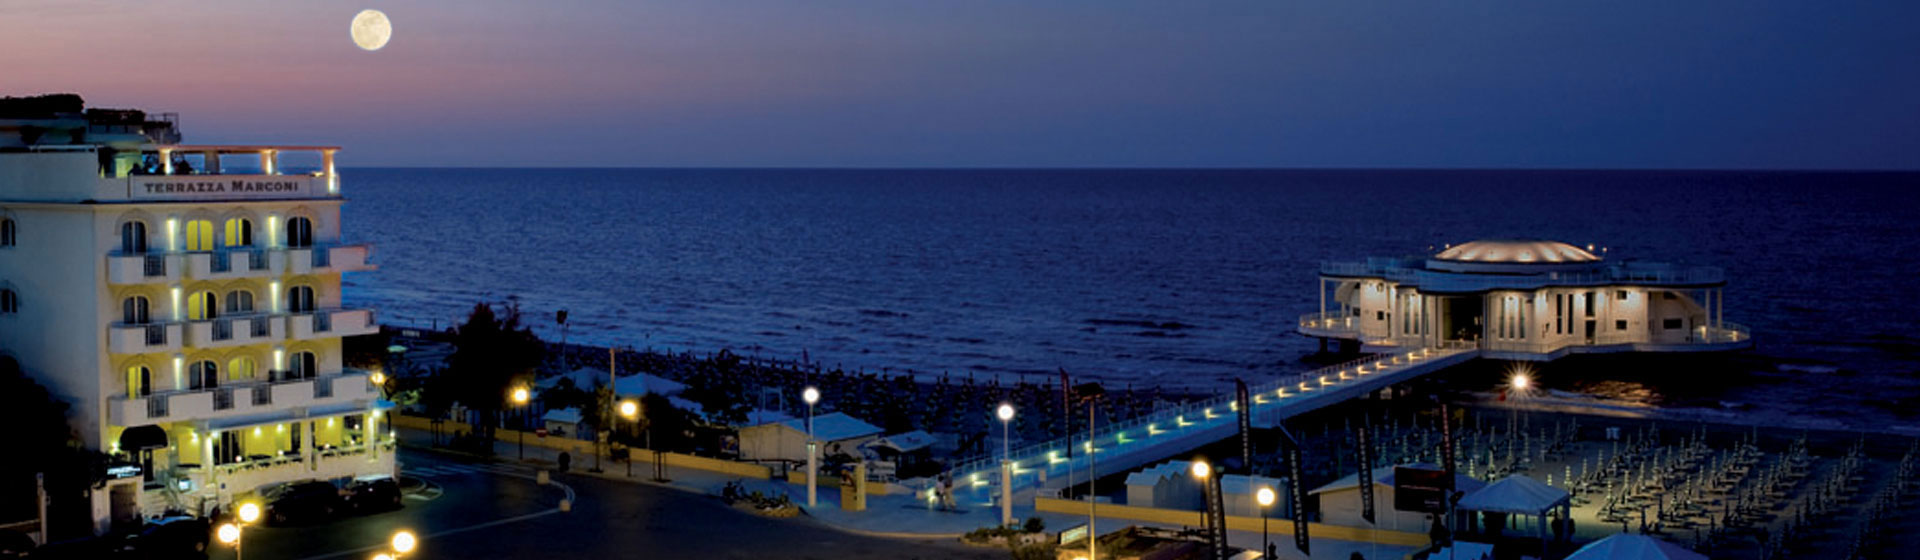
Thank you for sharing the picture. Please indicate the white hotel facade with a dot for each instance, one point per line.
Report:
(1523, 300)
(188, 309)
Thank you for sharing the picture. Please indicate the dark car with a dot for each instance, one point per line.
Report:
(294, 502)
(373, 493)
(169, 537)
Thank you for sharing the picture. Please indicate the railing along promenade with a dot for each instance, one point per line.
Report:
(1181, 422)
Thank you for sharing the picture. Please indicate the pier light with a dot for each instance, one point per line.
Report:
(1324, 382)
(1281, 393)
(1202, 470)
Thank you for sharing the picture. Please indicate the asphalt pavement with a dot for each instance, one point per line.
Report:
(478, 509)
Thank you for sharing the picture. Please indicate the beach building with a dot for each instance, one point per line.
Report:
(1171, 485)
(185, 300)
(1523, 300)
(565, 422)
(786, 440)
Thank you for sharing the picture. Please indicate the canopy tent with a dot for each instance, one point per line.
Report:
(1628, 546)
(1516, 494)
(1519, 495)
(143, 437)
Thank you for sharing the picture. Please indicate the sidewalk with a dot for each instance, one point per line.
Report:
(896, 516)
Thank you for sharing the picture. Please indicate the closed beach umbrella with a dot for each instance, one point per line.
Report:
(1627, 546)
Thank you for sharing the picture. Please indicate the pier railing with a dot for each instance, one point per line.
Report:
(1169, 423)
(1634, 273)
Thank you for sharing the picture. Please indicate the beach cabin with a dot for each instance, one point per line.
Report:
(836, 432)
(1167, 485)
(562, 423)
(1339, 501)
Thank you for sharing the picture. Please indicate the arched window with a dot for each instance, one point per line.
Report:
(239, 232)
(133, 311)
(139, 381)
(7, 233)
(300, 299)
(9, 301)
(203, 306)
(299, 232)
(203, 375)
(240, 369)
(239, 302)
(302, 365)
(133, 238)
(200, 235)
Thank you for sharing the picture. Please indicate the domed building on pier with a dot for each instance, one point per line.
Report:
(1523, 300)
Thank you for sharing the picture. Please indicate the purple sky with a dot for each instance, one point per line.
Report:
(1267, 83)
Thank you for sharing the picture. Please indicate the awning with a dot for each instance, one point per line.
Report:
(142, 437)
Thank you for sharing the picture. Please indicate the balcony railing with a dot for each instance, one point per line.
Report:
(234, 331)
(141, 338)
(328, 323)
(261, 396)
(156, 266)
(142, 268)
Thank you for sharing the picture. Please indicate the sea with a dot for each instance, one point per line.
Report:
(1182, 279)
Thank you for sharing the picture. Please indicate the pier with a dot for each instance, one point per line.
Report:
(1173, 430)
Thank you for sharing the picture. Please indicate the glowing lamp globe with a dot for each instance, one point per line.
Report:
(1202, 470)
(229, 533)
(811, 395)
(1264, 496)
(629, 409)
(403, 542)
(519, 395)
(1005, 413)
(249, 512)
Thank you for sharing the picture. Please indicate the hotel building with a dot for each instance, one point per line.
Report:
(1522, 300)
(185, 300)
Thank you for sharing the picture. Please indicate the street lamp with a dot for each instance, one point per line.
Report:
(229, 533)
(1006, 463)
(631, 411)
(519, 398)
(403, 543)
(1265, 497)
(1215, 536)
(811, 396)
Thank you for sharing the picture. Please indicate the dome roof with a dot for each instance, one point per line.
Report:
(1516, 252)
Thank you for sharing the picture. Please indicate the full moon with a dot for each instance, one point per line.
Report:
(371, 30)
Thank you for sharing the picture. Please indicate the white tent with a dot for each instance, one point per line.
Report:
(1628, 546)
(1519, 495)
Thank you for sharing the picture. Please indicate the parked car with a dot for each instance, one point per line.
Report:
(181, 536)
(373, 493)
(294, 502)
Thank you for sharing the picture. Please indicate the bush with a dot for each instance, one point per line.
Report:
(1035, 525)
(1042, 551)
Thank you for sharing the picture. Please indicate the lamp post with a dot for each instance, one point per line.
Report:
(1005, 412)
(229, 533)
(1265, 497)
(1090, 392)
(811, 396)
(631, 411)
(1204, 472)
(520, 397)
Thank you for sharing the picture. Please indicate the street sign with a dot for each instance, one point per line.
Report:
(542, 432)
(1421, 490)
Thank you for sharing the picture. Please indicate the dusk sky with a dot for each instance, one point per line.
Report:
(1267, 83)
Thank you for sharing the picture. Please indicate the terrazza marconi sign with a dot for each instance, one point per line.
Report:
(195, 187)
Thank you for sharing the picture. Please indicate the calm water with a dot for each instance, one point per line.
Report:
(1144, 277)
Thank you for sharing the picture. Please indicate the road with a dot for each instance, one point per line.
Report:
(482, 510)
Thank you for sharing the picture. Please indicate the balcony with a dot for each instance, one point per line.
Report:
(330, 323)
(329, 259)
(1332, 324)
(238, 262)
(140, 339)
(235, 331)
(143, 268)
(240, 398)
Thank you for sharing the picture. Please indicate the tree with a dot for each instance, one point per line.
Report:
(719, 390)
(492, 353)
(43, 442)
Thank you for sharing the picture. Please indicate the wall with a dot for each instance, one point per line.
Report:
(583, 448)
(1234, 522)
(56, 336)
(1342, 508)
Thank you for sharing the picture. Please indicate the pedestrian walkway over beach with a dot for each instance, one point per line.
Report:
(1174, 430)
